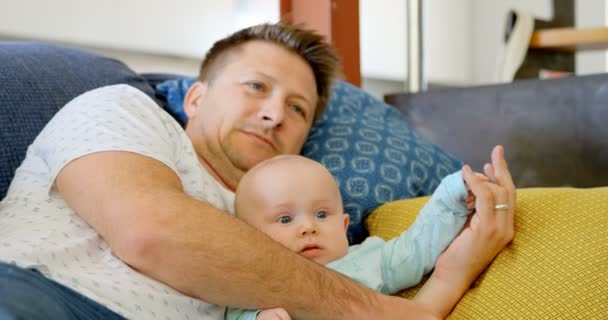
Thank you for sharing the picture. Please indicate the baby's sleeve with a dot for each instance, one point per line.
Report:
(414, 253)
(240, 314)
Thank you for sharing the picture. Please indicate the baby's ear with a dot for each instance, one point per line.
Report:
(346, 221)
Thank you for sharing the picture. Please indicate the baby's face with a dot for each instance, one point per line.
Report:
(297, 203)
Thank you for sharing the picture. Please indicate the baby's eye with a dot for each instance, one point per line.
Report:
(255, 85)
(321, 214)
(284, 219)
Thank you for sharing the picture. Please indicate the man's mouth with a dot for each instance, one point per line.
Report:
(261, 137)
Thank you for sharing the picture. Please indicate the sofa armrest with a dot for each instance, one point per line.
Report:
(554, 131)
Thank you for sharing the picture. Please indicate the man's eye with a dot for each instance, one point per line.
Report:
(285, 219)
(298, 109)
(321, 214)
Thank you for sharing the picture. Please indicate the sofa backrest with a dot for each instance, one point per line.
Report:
(555, 132)
(36, 80)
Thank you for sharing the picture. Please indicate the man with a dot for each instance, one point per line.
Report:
(116, 203)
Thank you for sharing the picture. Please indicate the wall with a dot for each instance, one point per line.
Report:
(462, 36)
(177, 28)
(448, 38)
(590, 14)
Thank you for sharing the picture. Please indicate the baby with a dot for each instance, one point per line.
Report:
(296, 202)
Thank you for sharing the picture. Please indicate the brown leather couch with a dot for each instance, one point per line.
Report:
(555, 132)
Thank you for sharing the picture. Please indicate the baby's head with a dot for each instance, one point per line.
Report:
(297, 203)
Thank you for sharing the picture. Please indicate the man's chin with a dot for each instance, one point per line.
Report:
(246, 161)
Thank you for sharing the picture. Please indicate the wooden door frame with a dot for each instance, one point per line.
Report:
(338, 21)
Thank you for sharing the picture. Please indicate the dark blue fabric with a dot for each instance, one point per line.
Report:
(162, 94)
(175, 91)
(27, 294)
(372, 152)
(36, 80)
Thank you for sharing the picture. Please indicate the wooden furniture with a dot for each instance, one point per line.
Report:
(338, 21)
(570, 39)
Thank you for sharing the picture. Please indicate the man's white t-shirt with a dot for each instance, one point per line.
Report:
(38, 229)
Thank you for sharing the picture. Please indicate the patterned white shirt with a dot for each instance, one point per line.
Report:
(38, 229)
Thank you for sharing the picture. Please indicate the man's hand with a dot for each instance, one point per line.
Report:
(273, 314)
(489, 231)
(470, 200)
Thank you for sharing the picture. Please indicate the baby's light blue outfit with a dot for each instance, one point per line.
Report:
(390, 266)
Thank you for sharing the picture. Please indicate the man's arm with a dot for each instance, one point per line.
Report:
(138, 206)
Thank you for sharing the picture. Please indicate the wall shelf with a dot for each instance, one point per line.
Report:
(570, 39)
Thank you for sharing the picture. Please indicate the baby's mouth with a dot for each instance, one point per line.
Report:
(310, 251)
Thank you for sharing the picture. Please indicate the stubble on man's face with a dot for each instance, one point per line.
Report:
(230, 132)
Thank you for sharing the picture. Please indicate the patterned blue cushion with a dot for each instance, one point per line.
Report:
(174, 92)
(372, 152)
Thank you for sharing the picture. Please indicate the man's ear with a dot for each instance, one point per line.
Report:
(194, 97)
(346, 221)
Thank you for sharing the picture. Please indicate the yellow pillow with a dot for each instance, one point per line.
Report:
(556, 267)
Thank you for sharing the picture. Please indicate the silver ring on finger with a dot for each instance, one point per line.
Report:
(502, 206)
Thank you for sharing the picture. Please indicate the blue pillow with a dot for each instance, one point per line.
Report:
(174, 92)
(370, 149)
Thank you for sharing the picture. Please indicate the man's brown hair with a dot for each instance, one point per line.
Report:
(320, 56)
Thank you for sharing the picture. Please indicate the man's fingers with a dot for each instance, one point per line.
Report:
(283, 314)
(497, 221)
(501, 170)
(468, 175)
(484, 198)
(489, 171)
(488, 195)
(482, 176)
(471, 178)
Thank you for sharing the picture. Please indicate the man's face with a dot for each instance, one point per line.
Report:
(260, 104)
(298, 204)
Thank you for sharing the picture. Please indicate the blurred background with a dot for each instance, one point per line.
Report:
(462, 39)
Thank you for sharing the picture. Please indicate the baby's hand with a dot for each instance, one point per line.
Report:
(470, 201)
(273, 314)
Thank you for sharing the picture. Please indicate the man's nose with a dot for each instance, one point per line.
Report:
(272, 113)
